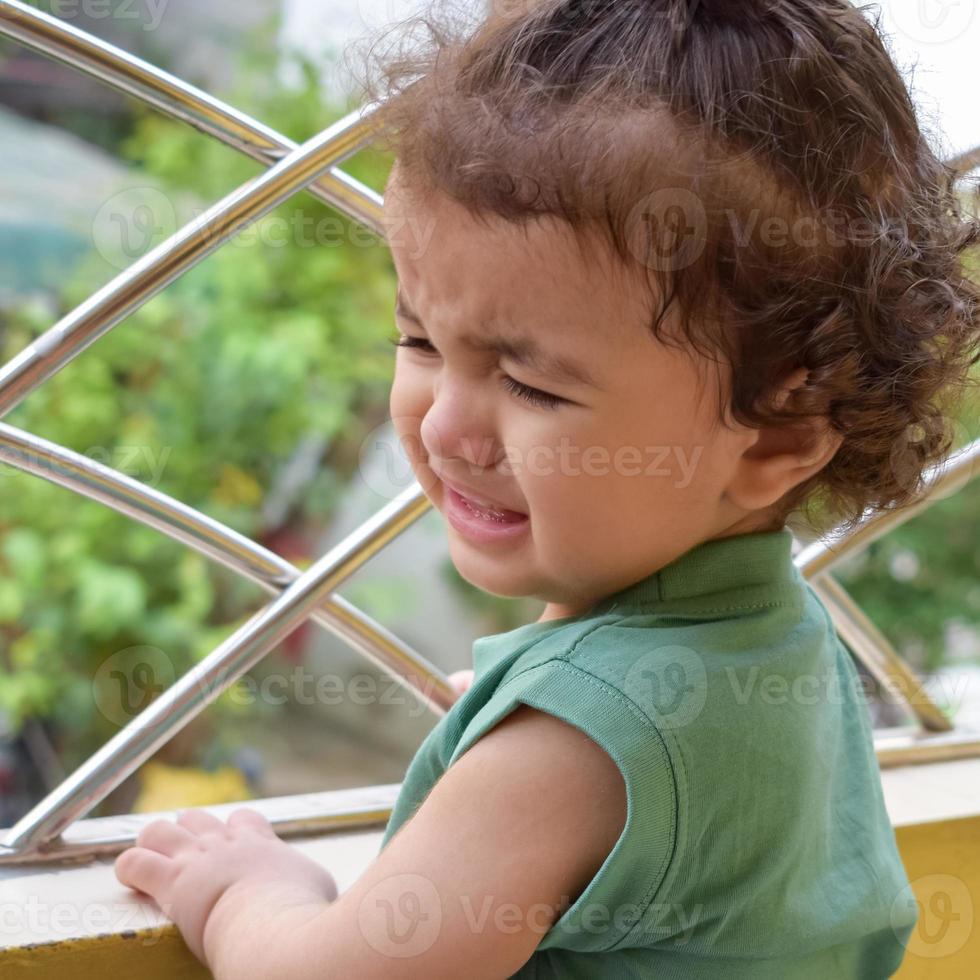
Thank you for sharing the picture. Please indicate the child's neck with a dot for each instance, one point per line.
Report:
(554, 610)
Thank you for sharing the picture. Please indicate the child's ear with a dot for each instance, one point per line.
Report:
(781, 457)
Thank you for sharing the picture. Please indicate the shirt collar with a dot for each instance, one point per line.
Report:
(716, 579)
(742, 571)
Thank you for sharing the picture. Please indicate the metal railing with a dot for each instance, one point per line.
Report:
(935, 737)
(53, 830)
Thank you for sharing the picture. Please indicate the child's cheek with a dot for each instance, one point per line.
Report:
(407, 405)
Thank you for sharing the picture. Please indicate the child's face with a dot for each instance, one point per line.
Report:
(615, 481)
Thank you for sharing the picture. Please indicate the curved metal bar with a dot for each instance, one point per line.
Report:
(872, 648)
(966, 161)
(174, 97)
(212, 539)
(299, 815)
(943, 479)
(865, 640)
(129, 748)
(161, 265)
(916, 748)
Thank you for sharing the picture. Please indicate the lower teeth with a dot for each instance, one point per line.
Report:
(487, 515)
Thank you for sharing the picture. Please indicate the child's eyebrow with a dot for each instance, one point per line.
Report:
(522, 349)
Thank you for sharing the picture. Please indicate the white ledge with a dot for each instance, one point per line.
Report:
(927, 792)
(47, 903)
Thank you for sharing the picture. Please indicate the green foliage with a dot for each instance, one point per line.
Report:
(276, 339)
(925, 575)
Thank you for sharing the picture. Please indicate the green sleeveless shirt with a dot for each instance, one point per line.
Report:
(757, 843)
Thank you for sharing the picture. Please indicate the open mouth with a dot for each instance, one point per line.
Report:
(490, 512)
(482, 521)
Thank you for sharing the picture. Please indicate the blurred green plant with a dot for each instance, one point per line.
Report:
(923, 578)
(273, 345)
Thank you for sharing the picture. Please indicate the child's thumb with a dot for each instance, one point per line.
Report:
(461, 681)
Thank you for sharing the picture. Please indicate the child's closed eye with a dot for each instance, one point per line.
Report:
(533, 395)
(416, 343)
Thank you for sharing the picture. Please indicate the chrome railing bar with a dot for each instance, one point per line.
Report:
(20, 369)
(943, 479)
(865, 640)
(874, 650)
(915, 747)
(176, 98)
(129, 748)
(163, 264)
(236, 552)
(116, 67)
(966, 161)
(300, 815)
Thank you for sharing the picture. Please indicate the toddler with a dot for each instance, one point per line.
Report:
(675, 280)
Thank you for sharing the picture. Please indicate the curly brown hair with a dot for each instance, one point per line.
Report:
(761, 160)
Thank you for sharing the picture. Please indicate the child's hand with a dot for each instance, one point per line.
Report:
(461, 681)
(200, 871)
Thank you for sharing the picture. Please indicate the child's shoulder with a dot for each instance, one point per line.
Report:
(651, 673)
(586, 673)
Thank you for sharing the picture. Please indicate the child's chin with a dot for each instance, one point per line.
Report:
(485, 572)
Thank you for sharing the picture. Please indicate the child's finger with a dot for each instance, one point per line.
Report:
(200, 821)
(252, 819)
(146, 871)
(165, 836)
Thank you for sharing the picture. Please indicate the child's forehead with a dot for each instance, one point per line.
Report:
(411, 212)
(492, 269)
(534, 312)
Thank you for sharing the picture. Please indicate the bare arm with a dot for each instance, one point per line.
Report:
(505, 841)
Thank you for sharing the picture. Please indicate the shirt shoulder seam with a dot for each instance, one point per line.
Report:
(654, 606)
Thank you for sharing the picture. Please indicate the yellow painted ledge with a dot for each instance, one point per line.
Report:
(150, 954)
(942, 861)
(935, 809)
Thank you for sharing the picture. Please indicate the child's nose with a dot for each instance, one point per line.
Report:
(459, 425)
